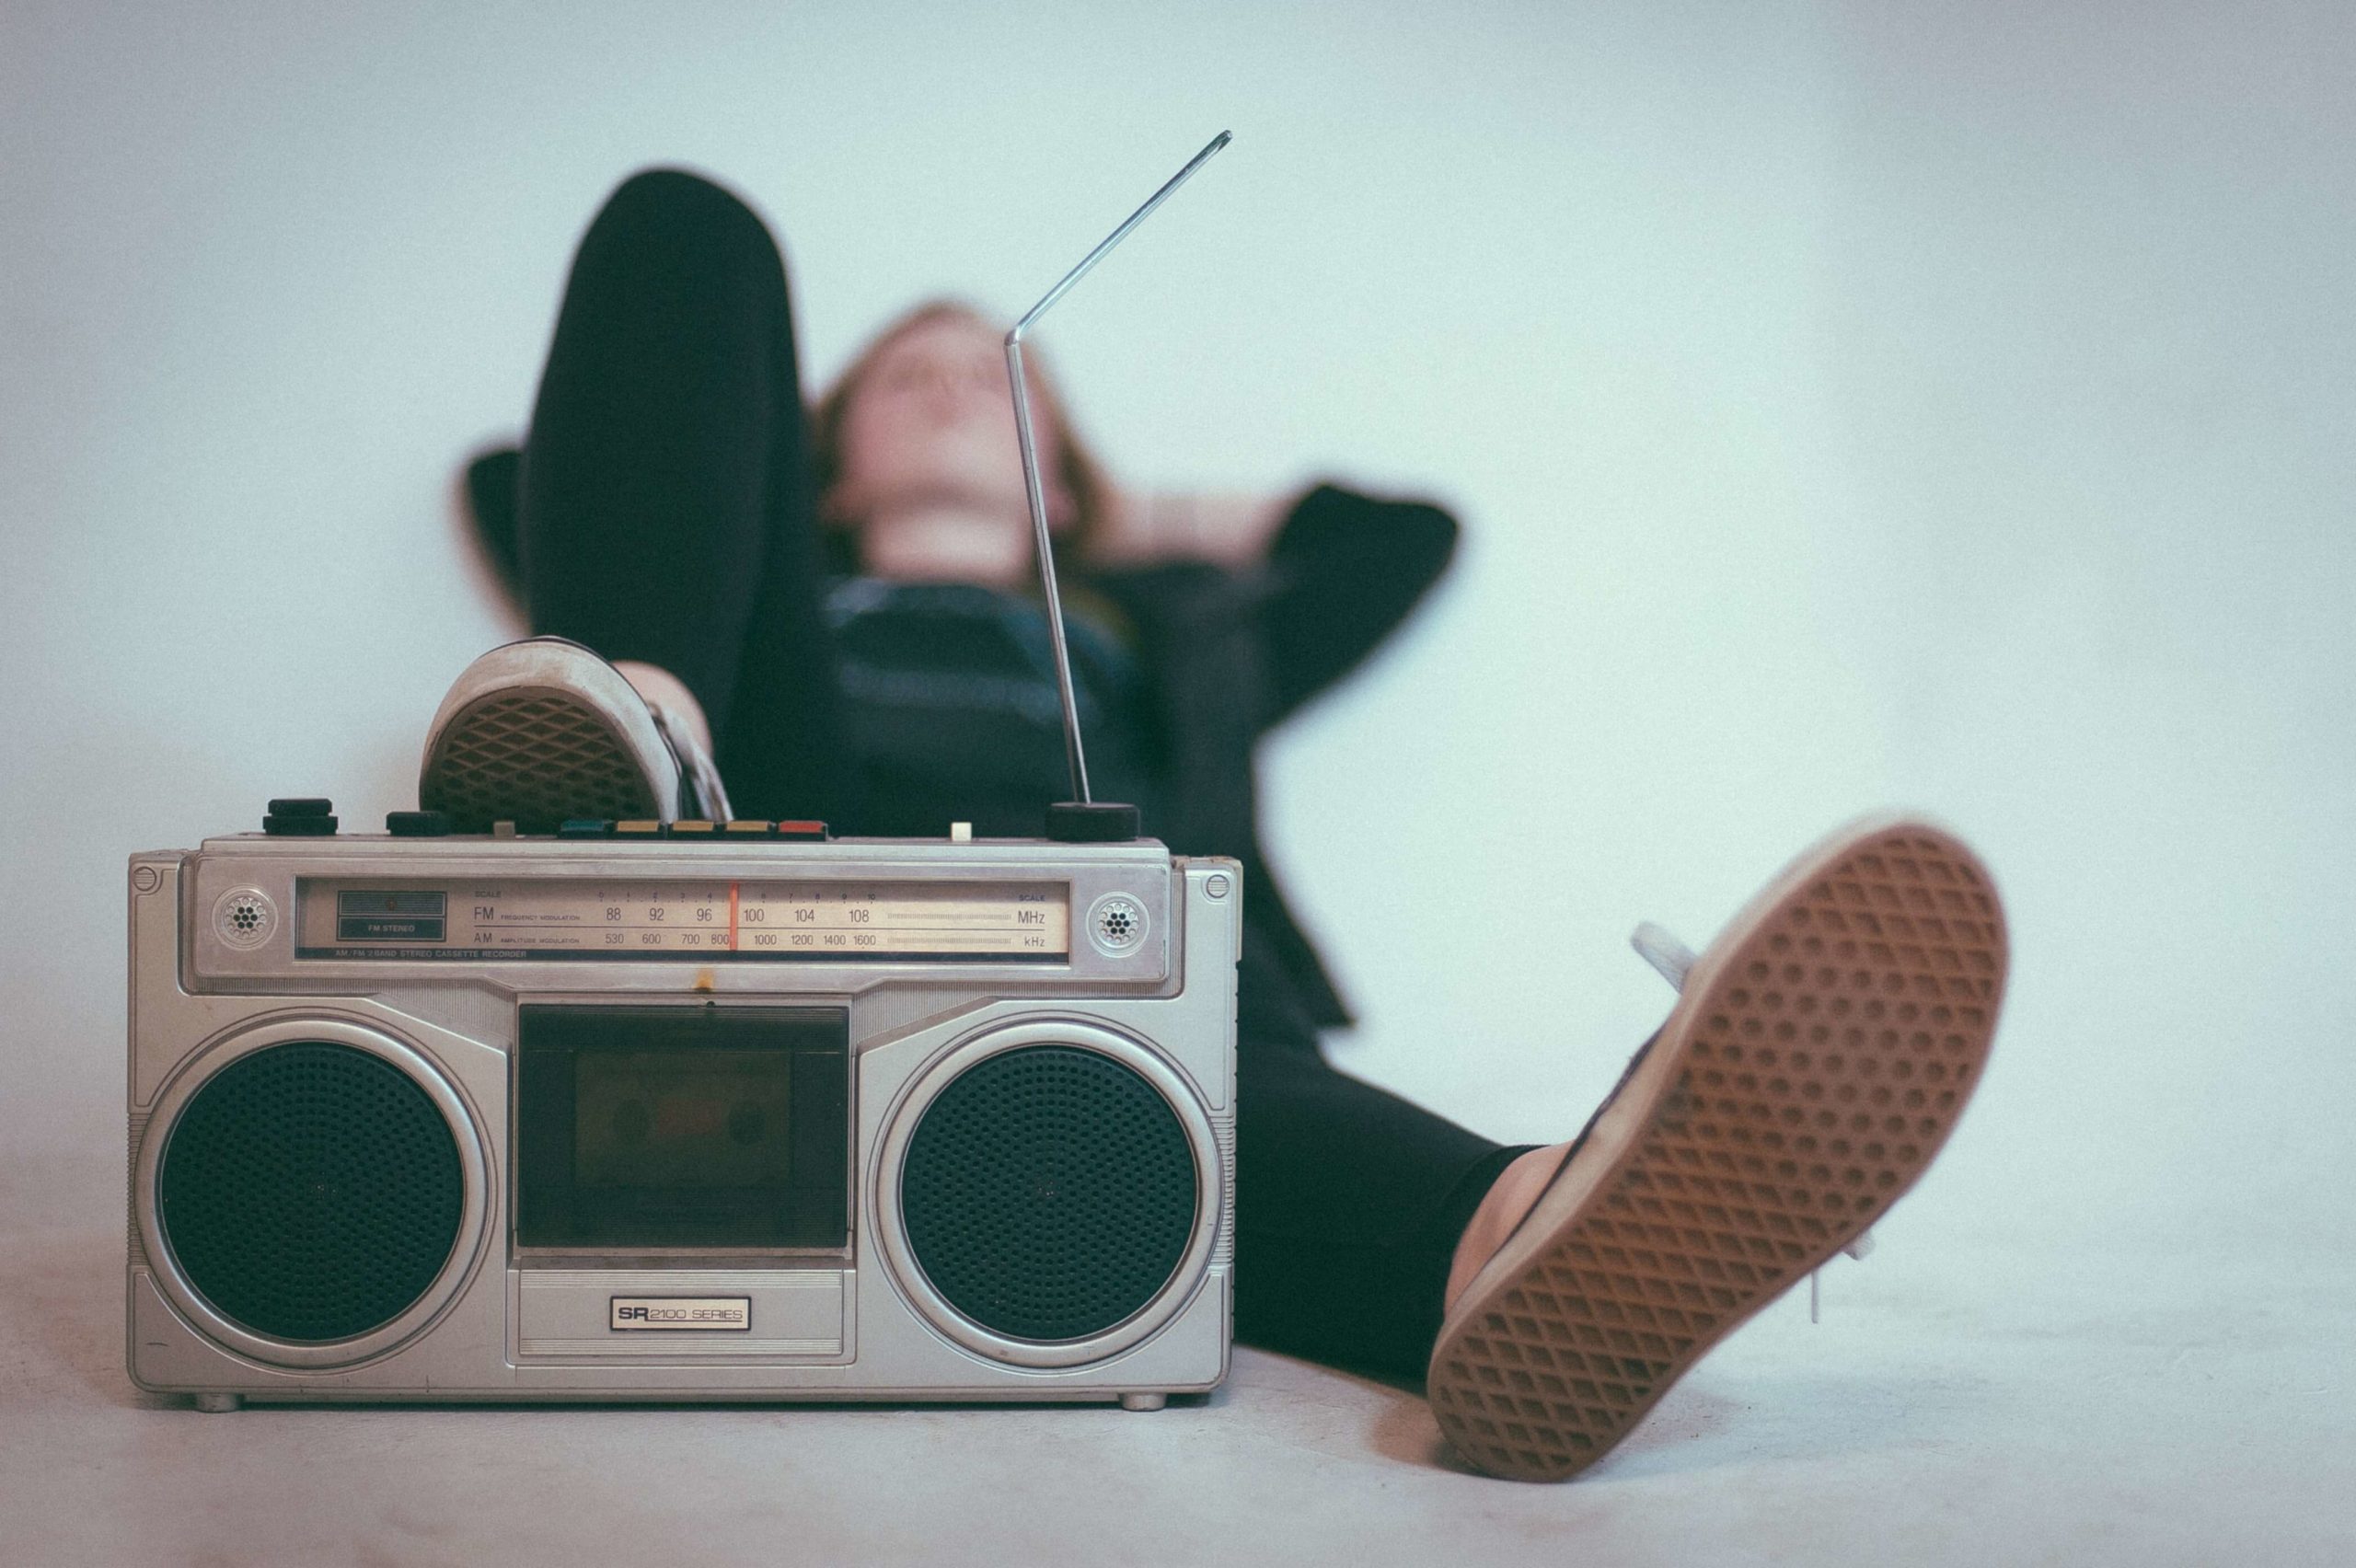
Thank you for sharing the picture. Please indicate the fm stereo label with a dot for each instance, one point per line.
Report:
(700, 1313)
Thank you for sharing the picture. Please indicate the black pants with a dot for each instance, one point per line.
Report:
(667, 515)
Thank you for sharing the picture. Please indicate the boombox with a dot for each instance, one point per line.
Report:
(700, 1114)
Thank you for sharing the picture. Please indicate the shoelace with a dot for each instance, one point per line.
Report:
(703, 773)
(1674, 960)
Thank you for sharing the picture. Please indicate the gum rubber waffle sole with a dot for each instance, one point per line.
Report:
(534, 757)
(1818, 1059)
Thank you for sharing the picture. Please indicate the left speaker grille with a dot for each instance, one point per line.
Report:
(310, 1192)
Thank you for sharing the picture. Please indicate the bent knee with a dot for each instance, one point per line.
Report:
(677, 210)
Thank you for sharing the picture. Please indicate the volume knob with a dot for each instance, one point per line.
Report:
(300, 816)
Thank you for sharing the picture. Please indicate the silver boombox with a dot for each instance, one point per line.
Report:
(689, 1111)
(545, 1118)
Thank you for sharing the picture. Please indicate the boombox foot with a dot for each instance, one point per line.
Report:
(217, 1404)
(1144, 1402)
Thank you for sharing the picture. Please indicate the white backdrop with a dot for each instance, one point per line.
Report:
(1843, 409)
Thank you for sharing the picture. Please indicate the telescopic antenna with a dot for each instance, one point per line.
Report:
(1081, 819)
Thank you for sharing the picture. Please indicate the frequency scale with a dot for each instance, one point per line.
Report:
(613, 917)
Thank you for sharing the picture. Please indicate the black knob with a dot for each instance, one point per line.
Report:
(1094, 822)
(308, 819)
(301, 806)
(416, 824)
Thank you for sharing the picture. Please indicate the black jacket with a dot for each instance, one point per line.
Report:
(1230, 655)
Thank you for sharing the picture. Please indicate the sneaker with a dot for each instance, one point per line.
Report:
(543, 731)
(1818, 1056)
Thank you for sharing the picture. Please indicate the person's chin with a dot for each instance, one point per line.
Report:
(954, 493)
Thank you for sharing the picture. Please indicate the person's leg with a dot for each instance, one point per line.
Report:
(644, 491)
(1350, 1203)
(665, 514)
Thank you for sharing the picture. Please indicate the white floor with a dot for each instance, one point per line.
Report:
(1847, 405)
(1986, 1405)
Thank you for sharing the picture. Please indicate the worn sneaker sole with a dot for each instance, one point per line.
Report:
(541, 730)
(1819, 1057)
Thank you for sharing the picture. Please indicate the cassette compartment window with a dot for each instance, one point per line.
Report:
(694, 1126)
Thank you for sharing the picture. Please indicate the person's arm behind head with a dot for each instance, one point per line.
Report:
(1345, 571)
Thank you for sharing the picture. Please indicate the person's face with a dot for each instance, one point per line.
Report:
(931, 427)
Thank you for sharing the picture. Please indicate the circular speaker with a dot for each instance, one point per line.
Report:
(1049, 1192)
(244, 918)
(1117, 923)
(311, 1191)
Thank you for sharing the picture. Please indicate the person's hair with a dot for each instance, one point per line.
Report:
(1070, 461)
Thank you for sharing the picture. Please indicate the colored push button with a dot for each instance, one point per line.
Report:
(638, 829)
(583, 827)
(301, 816)
(804, 832)
(693, 827)
(416, 824)
(748, 827)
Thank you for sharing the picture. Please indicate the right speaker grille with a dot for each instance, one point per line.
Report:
(1048, 1193)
